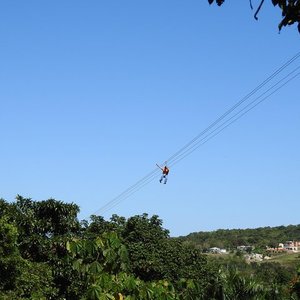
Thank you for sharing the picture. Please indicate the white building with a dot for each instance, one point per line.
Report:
(293, 246)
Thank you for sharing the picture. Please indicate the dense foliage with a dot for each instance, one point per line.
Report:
(46, 253)
(290, 10)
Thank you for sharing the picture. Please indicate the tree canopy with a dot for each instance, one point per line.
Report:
(231, 238)
(47, 253)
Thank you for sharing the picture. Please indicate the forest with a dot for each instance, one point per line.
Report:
(47, 253)
(231, 238)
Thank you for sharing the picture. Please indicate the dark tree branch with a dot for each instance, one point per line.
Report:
(251, 6)
(258, 9)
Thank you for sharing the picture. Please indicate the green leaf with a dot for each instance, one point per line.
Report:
(94, 292)
(68, 246)
(77, 265)
(109, 296)
(99, 242)
(95, 268)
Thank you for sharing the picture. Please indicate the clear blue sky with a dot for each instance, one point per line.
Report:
(94, 93)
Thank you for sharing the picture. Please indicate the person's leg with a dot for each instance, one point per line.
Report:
(161, 178)
(166, 179)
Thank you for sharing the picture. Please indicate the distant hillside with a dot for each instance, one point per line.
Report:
(231, 238)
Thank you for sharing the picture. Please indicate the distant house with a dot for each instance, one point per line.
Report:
(292, 246)
(278, 249)
(289, 246)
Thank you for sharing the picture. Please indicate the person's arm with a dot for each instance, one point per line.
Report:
(160, 167)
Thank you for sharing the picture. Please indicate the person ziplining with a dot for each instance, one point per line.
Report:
(164, 175)
(229, 117)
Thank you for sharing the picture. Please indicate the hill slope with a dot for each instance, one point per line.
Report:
(231, 238)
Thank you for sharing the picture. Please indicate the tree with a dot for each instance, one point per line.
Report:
(101, 265)
(237, 286)
(45, 253)
(43, 229)
(20, 278)
(295, 285)
(41, 224)
(9, 255)
(153, 255)
(290, 10)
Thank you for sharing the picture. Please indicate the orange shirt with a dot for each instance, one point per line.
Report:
(166, 171)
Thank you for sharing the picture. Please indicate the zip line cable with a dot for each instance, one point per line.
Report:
(130, 190)
(279, 70)
(208, 137)
(112, 205)
(194, 144)
(239, 112)
(233, 121)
